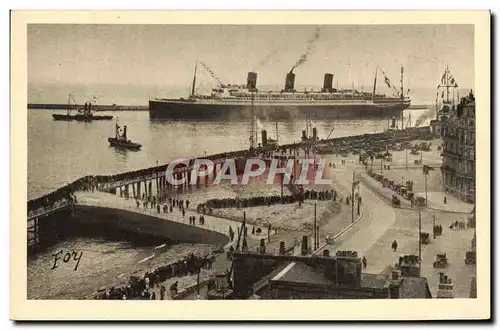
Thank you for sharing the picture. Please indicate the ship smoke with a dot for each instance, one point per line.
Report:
(266, 59)
(430, 113)
(310, 48)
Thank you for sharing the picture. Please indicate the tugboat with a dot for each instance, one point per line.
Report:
(121, 141)
(83, 115)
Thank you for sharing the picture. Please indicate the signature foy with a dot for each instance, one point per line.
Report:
(67, 257)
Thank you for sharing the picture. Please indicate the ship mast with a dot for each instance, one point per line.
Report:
(402, 91)
(277, 133)
(402, 98)
(253, 135)
(375, 83)
(69, 105)
(194, 78)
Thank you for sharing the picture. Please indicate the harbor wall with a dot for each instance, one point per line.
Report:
(105, 107)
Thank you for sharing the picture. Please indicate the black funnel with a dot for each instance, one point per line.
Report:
(328, 82)
(290, 82)
(251, 81)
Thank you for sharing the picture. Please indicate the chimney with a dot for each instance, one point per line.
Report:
(290, 82)
(282, 248)
(328, 82)
(304, 249)
(251, 81)
(348, 260)
(410, 267)
(445, 287)
(304, 136)
(473, 288)
(125, 131)
(262, 248)
(263, 133)
(315, 133)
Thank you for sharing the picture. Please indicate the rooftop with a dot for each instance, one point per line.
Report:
(298, 272)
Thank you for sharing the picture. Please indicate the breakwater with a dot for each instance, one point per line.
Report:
(98, 181)
(104, 107)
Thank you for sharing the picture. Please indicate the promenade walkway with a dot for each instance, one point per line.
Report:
(101, 199)
(435, 199)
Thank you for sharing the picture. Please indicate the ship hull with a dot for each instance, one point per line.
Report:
(80, 117)
(174, 110)
(124, 145)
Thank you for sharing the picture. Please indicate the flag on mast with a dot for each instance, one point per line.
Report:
(388, 82)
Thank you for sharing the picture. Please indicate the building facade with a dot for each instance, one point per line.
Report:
(459, 151)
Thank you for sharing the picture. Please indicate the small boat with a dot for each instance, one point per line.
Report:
(85, 115)
(80, 117)
(121, 141)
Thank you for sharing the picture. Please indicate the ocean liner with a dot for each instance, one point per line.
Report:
(232, 102)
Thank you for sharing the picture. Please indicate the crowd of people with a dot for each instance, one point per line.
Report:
(170, 205)
(156, 203)
(459, 225)
(267, 200)
(65, 193)
(140, 288)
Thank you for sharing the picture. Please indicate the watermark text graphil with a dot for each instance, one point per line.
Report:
(240, 171)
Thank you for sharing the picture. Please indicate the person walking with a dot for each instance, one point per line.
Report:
(394, 246)
(162, 292)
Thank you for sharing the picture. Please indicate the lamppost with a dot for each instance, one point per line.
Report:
(425, 170)
(420, 238)
(198, 284)
(315, 228)
(359, 201)
(434, 226)
(354, 185)
(406, 166)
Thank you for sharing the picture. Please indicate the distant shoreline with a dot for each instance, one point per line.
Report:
(114, 107)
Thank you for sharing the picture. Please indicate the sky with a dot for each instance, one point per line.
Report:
(165, 55)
